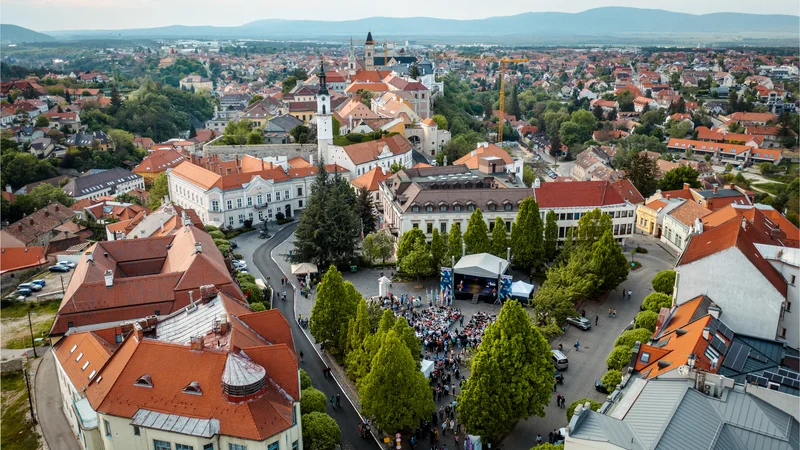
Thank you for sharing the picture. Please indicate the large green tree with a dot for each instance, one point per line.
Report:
(320, 432)
(409, 338)
(159, 190)
(454, 242)
(643, 173)
(395, 392)
(512, 375)
(329, 227)
(608, 262)
(312, 400)
(477, 235)
(664, 281)
(378, 245)
(438, 251)
(408, 242)
(336, 304)
(550, 235)
(527, 236)
(675, 178)
(499, 238)
(365, 211)
(592, 226)
(417, 263)
(358, 330)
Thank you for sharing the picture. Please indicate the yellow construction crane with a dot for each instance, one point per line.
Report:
(502, 118)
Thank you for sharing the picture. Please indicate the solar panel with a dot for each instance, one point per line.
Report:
(761, 381)
(795, 384)
(713, 326)
(737, 357)
(783, 372)
(793, 375)
(727, 332)
(719, 345)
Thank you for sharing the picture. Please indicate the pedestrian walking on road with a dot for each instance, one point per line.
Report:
(577, 346)
(301, 357)
(614, 313)
(333, 401)
(623, 293)
(583, 313)
(338, 400)
(630, 294)
(596, 318)
(609, 312)
(538, 439)
(560, 347)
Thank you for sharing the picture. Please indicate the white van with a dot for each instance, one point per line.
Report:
(560, 360)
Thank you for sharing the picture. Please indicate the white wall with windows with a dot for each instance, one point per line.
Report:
(675, 234)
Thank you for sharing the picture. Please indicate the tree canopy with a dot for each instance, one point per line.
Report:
(643, 173)
(336, 304)
(674, 179)
(527, 236)
(664, 281)
(477, 235)
(320, 431)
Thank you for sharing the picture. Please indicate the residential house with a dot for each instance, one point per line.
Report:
(68, 121)
(167, 220)
(650, 216)
(196, 83)
(38, 228)
(42, 147)
(365, 156)
(16, 261)
(97, 139)
(276, 130)
(681, 222)
(111, 182)
(492, 155)
(157, 163)
(752, 118)
(593, 164)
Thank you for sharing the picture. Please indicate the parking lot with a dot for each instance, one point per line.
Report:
(56, 282)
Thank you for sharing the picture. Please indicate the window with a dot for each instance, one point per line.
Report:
(214, 205)
(261, 216)
(241, 218)
(414, 225)
(294, 445)
(278, 196)
(794, 278)
(269, 212)
(136, 431)
(230, 220)
(415, 208)
(629, 228)
(443, 208)
(508, 226)
(457, 208)
(208, 447)
(250, 216)
(183, 447)
(259, 199)
(80, 355)
(230, 204)
(238, 203)
(299, 191)
(645, 358)
(286, 194)
(299, 203)
(783, 332)
(161, 445)
(107, 427)
(562, 216)
(429, 228)
(274, 446)
(70, 324)
(470, 208)
(237, 447)
(249, 201)
(429, 208)
(508, 206)
(269, 197)
(711, 354)
(443, 227)
(789, 305)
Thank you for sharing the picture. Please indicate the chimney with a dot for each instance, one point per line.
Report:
(8, 188)
(191, 297)
(716, 189)
(208, 292)
(714, 310)
(311, 159)
(706, 333)
(666, 196)
(20, 227)
(109, 276)
(30, 221)
(197, 343)
(198, 247)
(744, 223)
(57, 208)
(686, 186)
(161, 219)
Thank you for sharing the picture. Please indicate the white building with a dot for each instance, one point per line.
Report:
(681, 222)
(786, 260)
(361, 158)
(111, 182)
(426, 137)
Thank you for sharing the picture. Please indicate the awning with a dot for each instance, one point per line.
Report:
(426, 368)
(483, 265)
(304, 268)
(521, 289)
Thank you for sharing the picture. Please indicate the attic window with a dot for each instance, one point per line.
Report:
(85, 365)
(645, 358)
(193, 388)
(144, 381)
(73, 349)
(79, 357)
(91, 375)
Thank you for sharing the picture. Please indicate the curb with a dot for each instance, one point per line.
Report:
(294, 312)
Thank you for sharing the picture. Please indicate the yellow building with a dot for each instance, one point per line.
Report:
(304, 111)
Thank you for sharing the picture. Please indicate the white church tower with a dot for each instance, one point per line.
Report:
(352, 67)
(324, 118)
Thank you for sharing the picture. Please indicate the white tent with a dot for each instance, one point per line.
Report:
(521, 289)
(483, 265)
(304, 268)
(426, 368)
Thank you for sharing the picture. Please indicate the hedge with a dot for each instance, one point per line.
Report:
(312, 400)
(630, 337)
(646, 320)
(655, 301)
(611, 379)
(664, 281)
(619, 357)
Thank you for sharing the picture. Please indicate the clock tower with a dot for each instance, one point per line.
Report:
(324, 118)
(369, 52)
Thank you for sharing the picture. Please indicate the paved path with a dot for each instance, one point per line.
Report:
(346, 416)
(56, 429)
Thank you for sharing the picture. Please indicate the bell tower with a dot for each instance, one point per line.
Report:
(351, 60)
(369, 52)
(324, 118)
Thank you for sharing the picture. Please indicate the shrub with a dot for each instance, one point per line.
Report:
(646, 320)
(210, 228)
(611, 379)
(252, 291)
(245, 278)
(641, 250)
(280, 216)
(664, 281)
(305, 380)
(630, 337)
(593, 405)
(312, 400)
(216, 234)
(320, 432)
(655, 301)
(619, 357)
(257, 306)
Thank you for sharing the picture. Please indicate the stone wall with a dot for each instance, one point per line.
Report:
(229, 152)
(12, 365)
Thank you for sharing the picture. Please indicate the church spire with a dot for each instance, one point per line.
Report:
(323, 79)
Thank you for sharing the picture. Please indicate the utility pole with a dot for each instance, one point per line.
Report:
(30, 327)
(30, 399)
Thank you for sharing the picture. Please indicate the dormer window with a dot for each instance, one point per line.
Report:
(193, 388)
(508, 206)
(415, 208)
(144, 381)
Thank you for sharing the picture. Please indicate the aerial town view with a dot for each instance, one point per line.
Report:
(236, 225)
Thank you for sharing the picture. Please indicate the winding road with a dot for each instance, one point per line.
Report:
(345, 415)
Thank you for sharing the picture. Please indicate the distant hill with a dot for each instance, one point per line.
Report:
(599, 22)
(13, 34)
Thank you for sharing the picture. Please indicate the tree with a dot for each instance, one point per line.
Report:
(396, 167)
(116, 100)
(598, 112)
(192, 132)
(646, 320)
(358, 330)
(499, 238)
(679, 129)
(41, 122)
(608, 262)
(675, 178)
(336, 304)
(477, 235)
(20, 168)
(655, 301)
(438, 251)
(527, 236)
(320, 432)
(122, 140)
(289, 83)
(127, 197)
(255, 99)
(528, 175)
(551, 235)
(619, 357)
(418, 262)
(643, 173)
(592, 226)
(301, 134)
(312, 400)
(630, 337)
(454, 242)
(512, 371)
(555, 145)
(408, 242)
(328, 232)
(67, 97)
(593, 405)
(366, 97)
(395, 392)
(664, 281)
(159, 190)
(305, 380)
(611, 379)
(441, 121)
(378, 245)
(365, 211)
(409, 337)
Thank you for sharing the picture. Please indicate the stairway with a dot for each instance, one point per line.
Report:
(475, 299)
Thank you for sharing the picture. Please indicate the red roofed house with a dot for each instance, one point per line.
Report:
(37, 228)
(157, 163)
(211, 374)
(363, 157)
(17, 260)
(725, 264)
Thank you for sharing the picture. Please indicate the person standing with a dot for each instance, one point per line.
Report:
(550, 437)
(623, 293)
(596, 319)
(630, 294)
(538, 439)
(577, 346)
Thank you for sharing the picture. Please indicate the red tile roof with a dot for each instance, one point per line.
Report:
(159, 161)
(369, 151)
(18, 258)
(371, 179)
(586, 193)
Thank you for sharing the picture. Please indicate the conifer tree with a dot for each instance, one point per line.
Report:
(477, 235)
(337, 301)
(499, 238)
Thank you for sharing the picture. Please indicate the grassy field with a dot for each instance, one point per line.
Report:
(20, 309)
(772, 188)
(16, 332)
(17, 428)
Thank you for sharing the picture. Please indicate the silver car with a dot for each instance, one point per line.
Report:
(580, 322)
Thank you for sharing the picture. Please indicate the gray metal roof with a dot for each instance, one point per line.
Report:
(177, 424)
(602, 428)
(654, 407)
(97, 182)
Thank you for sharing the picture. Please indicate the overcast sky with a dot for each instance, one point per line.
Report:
(45, 15)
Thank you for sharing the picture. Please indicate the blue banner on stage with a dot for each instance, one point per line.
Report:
(505, 286)
(446, 284)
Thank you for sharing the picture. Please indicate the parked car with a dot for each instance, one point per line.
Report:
(23, 292)
(69, 264)
(58, 268)
(239, 264)
(558, 376)
(580, 322)
(40, 282)
(30, 287)
(600, 387)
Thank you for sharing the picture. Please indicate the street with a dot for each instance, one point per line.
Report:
(258, 254)
(54, 425)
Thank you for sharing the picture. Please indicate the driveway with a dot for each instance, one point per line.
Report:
(259, 253)
(56, 429)
(589, 364)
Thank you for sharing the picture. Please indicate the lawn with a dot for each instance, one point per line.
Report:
(20, 309)
(16, 331)
(772, 188)
(16, 429)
